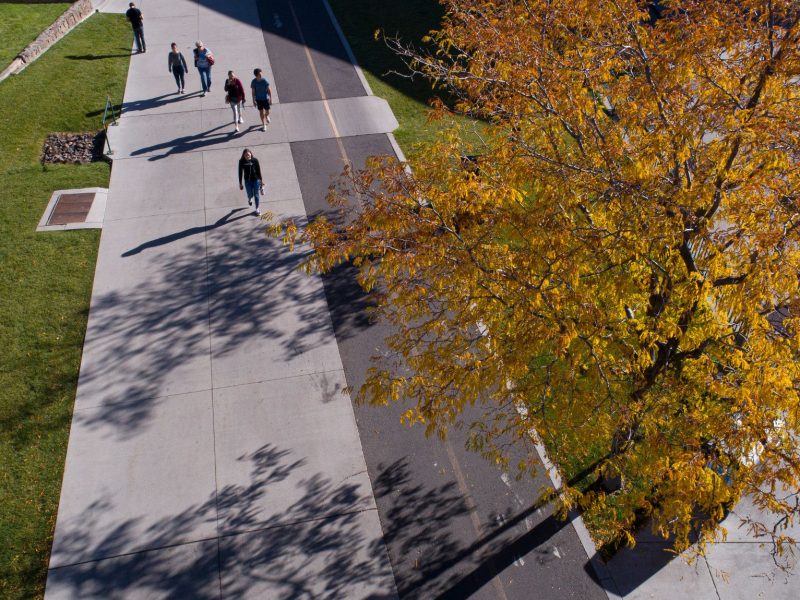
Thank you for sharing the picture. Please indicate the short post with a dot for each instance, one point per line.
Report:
(108, 143)
(109, 111)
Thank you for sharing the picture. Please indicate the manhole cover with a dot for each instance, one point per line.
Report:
(71, 208)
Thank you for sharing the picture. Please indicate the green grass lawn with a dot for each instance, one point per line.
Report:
(45, 284)
(21, 23)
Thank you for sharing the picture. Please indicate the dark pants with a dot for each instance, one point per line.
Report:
(138, 34)
(178, 73)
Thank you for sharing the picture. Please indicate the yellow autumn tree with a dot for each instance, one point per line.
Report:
(614, 265)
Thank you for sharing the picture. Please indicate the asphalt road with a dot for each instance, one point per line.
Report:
(454, 524)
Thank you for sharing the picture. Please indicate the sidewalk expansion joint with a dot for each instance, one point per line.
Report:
(230, 534)
(133, 553)
(328, 517)
(287, 377)
(222, 387)
(147, 399)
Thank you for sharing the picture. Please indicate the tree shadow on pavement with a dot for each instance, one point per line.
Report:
(428, 561)
(349, 305)
(315, 548)
(147, 337)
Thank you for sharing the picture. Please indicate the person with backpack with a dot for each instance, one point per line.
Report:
(250, 173)
(136, 18)
(234, 95)
(262, 97)
(203, 60)
(177, 66)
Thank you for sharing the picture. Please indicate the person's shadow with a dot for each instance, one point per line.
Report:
(167, 239)
(124, 52)
(137, 105)
(188, 143)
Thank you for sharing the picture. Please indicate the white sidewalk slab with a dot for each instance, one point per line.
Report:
(268, 320)
(274, 444)
(746, 570)
(147, 334)
(214, 451)
(151, 487)
(339, 557)
(363, 115)
(156, 188)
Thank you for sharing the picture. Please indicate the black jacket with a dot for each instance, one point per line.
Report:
(135, 17)
(250, 169)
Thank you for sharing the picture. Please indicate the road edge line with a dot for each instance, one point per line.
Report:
(606, 579)
(347, 47)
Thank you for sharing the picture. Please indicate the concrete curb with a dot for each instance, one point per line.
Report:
(603, 572)
(359, 71)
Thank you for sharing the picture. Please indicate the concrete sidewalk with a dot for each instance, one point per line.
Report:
(740, 568)
(214, 450)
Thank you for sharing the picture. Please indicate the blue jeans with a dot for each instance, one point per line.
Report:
(253, 189)
(205, 77)
(138, 34)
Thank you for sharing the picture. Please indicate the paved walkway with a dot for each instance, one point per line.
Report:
(741, 568)
(213, 450)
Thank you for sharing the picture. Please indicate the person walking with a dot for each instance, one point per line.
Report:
(262, 97)
(177, 66)
(250, 172)
(136, 18)
(203, 60)
(234, 95)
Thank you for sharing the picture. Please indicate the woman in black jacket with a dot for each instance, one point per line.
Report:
(250, 173)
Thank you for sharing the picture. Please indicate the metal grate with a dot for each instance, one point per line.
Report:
(71, 208)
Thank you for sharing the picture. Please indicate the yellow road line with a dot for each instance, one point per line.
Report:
(314, 72)
(473, 510)
(461, 480)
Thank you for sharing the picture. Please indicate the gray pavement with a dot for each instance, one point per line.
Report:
(214, 450)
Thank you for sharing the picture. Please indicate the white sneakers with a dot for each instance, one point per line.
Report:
(236, 128)
(263, 128)
(268, 121)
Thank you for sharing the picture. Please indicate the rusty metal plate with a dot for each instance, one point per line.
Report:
(71, 208)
